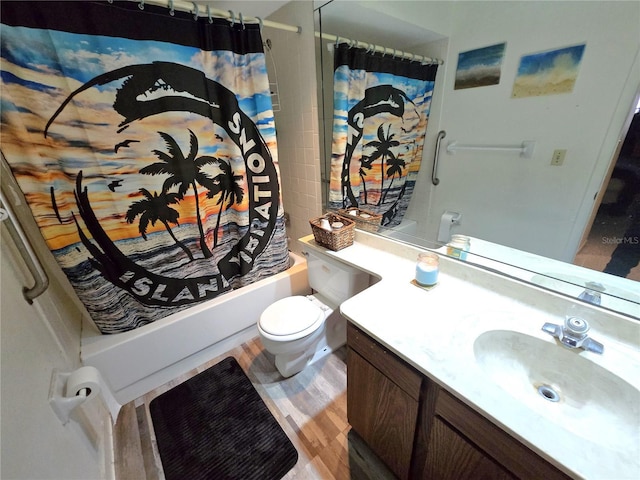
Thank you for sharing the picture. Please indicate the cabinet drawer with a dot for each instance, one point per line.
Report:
(402, 374)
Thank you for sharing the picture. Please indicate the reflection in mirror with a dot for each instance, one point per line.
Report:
(527, 213)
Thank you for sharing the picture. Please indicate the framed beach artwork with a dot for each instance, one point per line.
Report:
(548, 73)
(480, 67)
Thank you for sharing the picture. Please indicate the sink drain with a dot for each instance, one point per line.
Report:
(548, 393)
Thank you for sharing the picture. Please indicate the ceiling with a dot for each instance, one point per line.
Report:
(356, 20)
(350, 19)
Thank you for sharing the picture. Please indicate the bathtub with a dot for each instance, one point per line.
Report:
(405, 232)
(136, 362)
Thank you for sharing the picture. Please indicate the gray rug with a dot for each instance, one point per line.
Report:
(216, 426)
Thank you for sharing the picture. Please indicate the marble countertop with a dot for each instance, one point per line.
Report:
(434, 331)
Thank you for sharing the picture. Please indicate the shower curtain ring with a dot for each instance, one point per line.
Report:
(261, 23)
(413, 56)
(197, 13)
(141, 5)
(241, 20)
(172, 12)
(394, 53)
(233, 17)
(384, 51)
(209, 14)
(337, 40)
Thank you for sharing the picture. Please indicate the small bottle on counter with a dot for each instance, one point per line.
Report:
(427, 269)
(458, 246)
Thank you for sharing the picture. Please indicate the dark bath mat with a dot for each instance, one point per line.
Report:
(215, 426)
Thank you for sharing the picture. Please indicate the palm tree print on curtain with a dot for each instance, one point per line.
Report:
(227, 187)
(185, 172)
(156, 208)
(145, 147)
(381, 108)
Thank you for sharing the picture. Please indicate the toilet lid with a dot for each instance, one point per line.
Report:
(289, 316)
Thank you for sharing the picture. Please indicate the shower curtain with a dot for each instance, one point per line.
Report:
(144, 143)
(381, 107)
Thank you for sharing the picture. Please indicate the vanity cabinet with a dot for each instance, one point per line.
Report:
(420, 430)
(383, 399)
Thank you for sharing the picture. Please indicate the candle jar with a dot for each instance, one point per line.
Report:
(458, 246)
(427, 269)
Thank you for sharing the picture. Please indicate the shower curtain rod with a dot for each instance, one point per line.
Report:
(377, 48)
(200, 10)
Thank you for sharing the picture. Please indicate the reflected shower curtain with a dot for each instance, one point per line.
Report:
(381, 107)
(145, 145)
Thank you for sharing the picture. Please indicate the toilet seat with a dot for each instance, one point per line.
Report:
(291, 318)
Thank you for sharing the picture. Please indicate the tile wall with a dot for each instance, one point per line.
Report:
(291, 64)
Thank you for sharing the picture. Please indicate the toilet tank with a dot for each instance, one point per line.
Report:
(334, 280)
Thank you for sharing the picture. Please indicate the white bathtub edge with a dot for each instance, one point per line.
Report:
(156, 379)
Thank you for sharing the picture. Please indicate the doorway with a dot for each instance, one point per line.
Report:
(613, 242)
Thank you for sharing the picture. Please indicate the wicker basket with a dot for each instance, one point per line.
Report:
(336, 239)
(370, 222)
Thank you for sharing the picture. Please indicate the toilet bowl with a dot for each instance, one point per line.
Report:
(300, 330)
(292, 329)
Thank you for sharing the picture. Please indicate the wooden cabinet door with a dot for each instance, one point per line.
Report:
(494, 442)
(385, 397)
(381, 413)
(451, 457)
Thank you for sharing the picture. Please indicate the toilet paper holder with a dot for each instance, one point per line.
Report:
(60, 403)
(69, 390)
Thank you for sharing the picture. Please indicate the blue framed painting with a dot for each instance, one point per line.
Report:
(480, 67)
(550, 72)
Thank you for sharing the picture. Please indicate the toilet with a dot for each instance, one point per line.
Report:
(299, 330)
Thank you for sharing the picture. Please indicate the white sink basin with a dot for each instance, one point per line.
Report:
(591, 402)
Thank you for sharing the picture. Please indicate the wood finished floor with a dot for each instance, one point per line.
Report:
(311, 407)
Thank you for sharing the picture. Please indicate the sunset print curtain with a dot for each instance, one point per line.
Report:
(381, 106)
(144, 143)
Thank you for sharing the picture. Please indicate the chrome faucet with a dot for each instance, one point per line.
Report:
(573, 334)
(592, 293)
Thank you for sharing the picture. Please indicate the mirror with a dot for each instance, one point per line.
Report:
(526, 215)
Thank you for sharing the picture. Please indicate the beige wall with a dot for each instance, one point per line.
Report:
(524, 203)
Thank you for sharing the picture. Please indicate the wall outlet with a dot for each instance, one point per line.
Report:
(557, 158)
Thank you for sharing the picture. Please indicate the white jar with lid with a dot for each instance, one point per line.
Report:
(458, 246)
